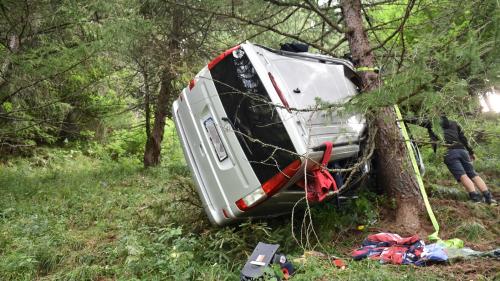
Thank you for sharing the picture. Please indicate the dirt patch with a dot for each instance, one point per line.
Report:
(473, 269)
(453, 215)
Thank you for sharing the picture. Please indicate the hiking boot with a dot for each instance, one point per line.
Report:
(475, 197)
(488, 198)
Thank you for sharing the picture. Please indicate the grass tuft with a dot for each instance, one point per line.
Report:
(471, 231)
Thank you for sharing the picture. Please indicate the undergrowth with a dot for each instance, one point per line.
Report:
(67, 216)
(84, 214)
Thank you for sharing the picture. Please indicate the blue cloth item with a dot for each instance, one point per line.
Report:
(432, 253)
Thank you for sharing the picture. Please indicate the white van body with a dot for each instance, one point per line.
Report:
(247, 121)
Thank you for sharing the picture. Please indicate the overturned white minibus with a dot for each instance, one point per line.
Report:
(247, 122)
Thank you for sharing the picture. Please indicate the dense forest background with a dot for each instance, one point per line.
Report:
(93, 71)
(85, 94)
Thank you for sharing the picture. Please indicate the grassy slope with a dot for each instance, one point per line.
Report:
(67, 216)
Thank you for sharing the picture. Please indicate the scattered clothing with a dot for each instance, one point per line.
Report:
(432, 253)
(390, 248)
(394, 249)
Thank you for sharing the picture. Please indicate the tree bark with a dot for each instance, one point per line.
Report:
(153, 143)
(152, 153)
(147, 103)
(394, 170)
(6, 68)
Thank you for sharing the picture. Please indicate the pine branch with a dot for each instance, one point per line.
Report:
(409, 7)
(257, 23)
(36, 82)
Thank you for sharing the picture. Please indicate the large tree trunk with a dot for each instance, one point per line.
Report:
(394, 170)
(152, 152)
(153, 143)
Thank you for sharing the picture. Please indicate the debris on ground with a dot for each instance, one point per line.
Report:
(390, 248)
(262, 261)
(394, 249)
(339, 263)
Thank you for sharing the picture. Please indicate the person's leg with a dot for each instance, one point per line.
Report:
(467, 183)
(469, 187)
(488, 198)
(452, 161)
(478, 181)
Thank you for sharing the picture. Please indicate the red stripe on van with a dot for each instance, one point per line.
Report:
(280, 93)
(274, 184)
(215, 61)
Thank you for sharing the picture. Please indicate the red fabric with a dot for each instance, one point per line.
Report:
(321, 182)
(394, 255)
(390, 248)
(392, 238)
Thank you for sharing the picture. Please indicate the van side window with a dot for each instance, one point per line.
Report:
(252, 115)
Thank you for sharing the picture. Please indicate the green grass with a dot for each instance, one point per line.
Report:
(471, 231)
(73, 217)
(76, 215)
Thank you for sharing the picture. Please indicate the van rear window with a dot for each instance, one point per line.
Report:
(253, 117)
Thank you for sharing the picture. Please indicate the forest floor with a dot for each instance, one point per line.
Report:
(68, 215)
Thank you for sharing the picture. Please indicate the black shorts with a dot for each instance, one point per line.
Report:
(459, 163)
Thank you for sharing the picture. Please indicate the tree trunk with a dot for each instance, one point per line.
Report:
(153, 143)
(394, 170)
(152, 152)
(147, 105)
(6, 68)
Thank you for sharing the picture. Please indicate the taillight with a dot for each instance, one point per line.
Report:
(251, 199)
(280, 93)
(241, 205)
(269, 188)
(272, 185)
(215, 61)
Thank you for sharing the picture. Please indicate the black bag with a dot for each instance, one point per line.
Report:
(295, 47)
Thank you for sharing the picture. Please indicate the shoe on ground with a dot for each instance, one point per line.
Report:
(488, 198)
(476, 197)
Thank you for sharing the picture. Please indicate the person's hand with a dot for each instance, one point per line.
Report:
(472, 157)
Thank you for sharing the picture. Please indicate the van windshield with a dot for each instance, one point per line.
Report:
(252, 115)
